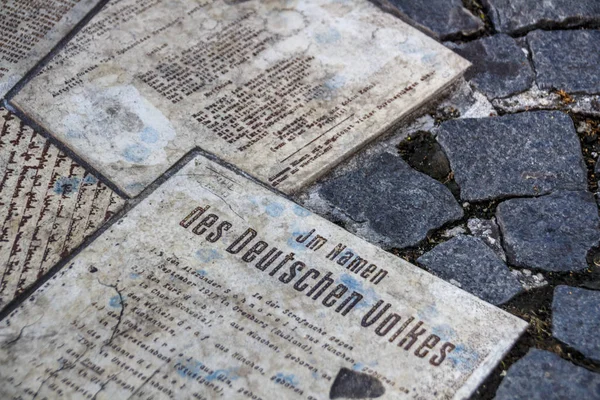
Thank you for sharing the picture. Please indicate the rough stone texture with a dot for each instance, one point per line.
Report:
(515, 155)
(576, 319)
(470, 262)
(194, 294)
(542, 375)
(519, 16)
(553, 233)
(297, 88)
(500, 67)
(395, 200)
(48, 206)
(488, 231)
(442, 19)
(567, 60)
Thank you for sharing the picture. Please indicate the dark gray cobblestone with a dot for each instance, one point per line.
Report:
(515, 155)
(519, 16)
(442, 19)
(393, 199)
(576, 319)
(552, 233)
(542, 375)
(567, 60)
(470, 264)
(500, 67)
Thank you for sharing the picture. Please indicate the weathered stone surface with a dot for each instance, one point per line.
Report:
(567, 60)
(500, 67)
(542, 375)
(474, 266)
(553, 233)
(442, 19)
(393, 199)
(30, 29)
(48, 206)
(216, 286)
(575, 319)
(538, 99)
(515, 155)
(282, 91)
(488, 231)
(519, 16)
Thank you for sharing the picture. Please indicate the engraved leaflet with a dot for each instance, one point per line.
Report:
(48, 206)
(283, 90)
(214, 287)
(29, 29)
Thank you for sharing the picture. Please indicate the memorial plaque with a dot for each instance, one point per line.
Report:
(29, 29)
(215, 287)
(48, 206)
(282, 89)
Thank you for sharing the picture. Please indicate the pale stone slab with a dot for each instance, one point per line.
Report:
(215, 287)
(284, 90)
(48, 206)
(29, 29)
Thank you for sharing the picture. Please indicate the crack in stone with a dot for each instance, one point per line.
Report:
(54, 374)
(7, 344)
(120, 318)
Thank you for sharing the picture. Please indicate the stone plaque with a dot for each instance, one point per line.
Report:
(48, 206)
(29, 29)
(282, 89)
(215, 287)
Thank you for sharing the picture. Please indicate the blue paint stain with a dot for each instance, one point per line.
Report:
(464, 358)
(335, 83)
(358, 366)
(136, 153)
(294, 244)
(208, 255)
(115, 302)
(274, 209)
(369, 295)
(300, 211)
(330, 36)
(149, 135)
(429, 58)
(74, 134)
(136, 187)
(66, 186)
(428, 313)
(201, 272)
(193, 367)
(445, 332)
(290, 378)
(133, 275)
(90, 179)
(229, 373)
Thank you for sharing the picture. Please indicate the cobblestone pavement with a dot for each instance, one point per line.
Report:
(494, 188)
(517, 145)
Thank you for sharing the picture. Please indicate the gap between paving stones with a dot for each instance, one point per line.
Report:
(58, 47)
(535, 305)
(128, 206)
